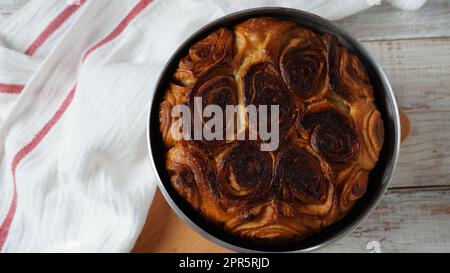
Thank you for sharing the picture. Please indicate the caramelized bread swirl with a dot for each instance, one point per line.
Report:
(245, 174)
(302, 182)
(373, 129)
(353, 187)
(213, 51)
(370, 131)
(299, 176)
(348, 77)
(263, 85)
(304, 68)
(218, 90)
(192, 175)
(331, 132)
(176, 95)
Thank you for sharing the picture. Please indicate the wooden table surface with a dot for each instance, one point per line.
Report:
(414, 216)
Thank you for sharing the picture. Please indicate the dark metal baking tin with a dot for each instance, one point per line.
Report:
(378, 180)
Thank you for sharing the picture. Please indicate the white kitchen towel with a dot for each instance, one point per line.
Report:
(75, 84)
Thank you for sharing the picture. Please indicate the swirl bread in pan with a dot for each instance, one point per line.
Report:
(330, 130)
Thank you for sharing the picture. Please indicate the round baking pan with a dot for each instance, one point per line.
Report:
(379, 177)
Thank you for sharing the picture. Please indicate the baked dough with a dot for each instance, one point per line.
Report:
(330, 129)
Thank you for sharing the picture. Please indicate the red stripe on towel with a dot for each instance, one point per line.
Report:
(4, 229)
(11, 88)
(53, 27)
(28, 148)
(121, 27)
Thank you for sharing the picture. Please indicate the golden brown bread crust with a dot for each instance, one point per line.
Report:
(330, 128)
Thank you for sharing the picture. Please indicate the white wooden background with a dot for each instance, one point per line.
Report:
(414, 50)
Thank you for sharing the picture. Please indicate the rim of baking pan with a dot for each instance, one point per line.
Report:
(379, 177)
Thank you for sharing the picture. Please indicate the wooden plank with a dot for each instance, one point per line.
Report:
(9, 7)
(387, 23)
(164, 231)
(419, 71)
(425, 156)
(405, 221)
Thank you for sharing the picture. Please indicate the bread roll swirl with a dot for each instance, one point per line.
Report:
(331, 132)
